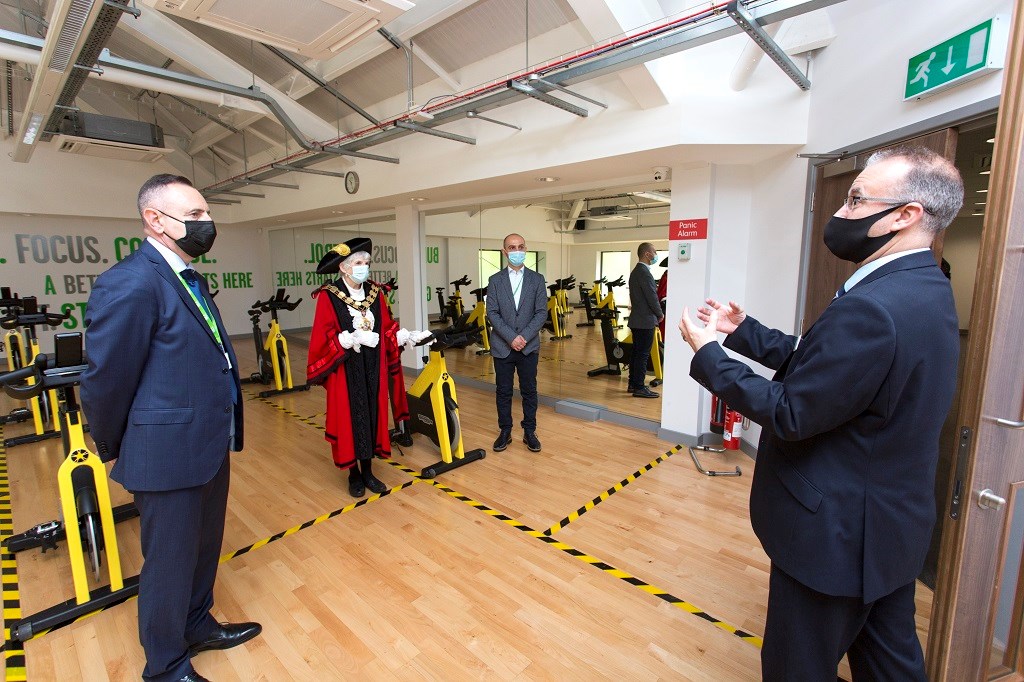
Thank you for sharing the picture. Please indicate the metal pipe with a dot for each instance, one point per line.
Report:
(301, 68)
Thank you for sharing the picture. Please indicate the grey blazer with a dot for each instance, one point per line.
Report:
(509, 322)
(643, 296)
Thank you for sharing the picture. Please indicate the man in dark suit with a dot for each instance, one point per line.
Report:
(517, 306)
(163, 398)
(644, 315)
(842, 497)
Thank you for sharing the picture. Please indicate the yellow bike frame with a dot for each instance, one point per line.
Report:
(433, 377)
(274, 337)
(80, 456)
(479, 317)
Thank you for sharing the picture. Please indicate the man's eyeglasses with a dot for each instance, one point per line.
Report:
(855, 200)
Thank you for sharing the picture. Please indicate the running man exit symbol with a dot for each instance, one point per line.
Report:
(975, 52)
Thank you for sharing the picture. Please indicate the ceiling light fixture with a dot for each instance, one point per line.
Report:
(548, 178)
(417, 198)
(985, 172)
(657, 196)
(982, 191)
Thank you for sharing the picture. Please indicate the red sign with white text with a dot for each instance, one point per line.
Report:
(691, 228)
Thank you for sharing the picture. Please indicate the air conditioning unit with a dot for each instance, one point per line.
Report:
(111, 138)
(316, 29)
(606, 213)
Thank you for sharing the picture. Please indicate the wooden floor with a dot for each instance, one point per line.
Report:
(562, 371)
(587, 560)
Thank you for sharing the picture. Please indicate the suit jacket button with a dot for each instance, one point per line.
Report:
(227, 409)
(224, 371)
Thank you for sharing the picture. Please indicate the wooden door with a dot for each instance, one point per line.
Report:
(979, 581)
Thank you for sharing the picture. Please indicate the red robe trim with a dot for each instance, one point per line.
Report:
(324, 366)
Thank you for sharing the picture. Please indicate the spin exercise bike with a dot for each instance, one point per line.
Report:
(558, 307)
(272, 354)
(43, 405)
(14, 344)
(619, 352)
(89, 518)
(452, 310)
(433, 410)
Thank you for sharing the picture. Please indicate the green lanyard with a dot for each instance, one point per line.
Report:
(202, 309)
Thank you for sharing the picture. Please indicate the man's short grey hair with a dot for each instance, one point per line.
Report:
(932, 180)
(151, 189)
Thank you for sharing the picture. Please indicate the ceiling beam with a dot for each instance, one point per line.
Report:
(604, 19)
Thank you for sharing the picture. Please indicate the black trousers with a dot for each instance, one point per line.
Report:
(808, 632)
(642, 341)
(504, 371)
(182, 532)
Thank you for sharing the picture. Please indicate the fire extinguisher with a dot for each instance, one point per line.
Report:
(718, 409)
(732, 430)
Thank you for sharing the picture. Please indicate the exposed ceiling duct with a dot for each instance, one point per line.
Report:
(72, 36)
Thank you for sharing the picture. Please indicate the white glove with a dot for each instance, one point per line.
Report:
(348, 340)
(366, 338)
(402, 336)
(417, 336)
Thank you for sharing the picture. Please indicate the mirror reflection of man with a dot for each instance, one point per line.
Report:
(517, 307)
(644, 315)
(842, 499)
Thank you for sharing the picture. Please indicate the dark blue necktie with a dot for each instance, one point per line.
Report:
(842, 290)
(192, 280)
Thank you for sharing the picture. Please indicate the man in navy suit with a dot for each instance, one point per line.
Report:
(162, 396)
(517, 306)
(843, 492)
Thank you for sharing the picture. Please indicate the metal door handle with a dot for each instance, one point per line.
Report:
(1010, 424)
(989, 500)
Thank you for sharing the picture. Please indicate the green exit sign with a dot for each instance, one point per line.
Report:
(963, 57)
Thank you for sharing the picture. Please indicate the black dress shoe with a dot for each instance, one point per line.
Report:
(375, 485)
(531, 440)
(356, 487)
(225, 637)
(193, 677)
(503, 440)
(644, 393)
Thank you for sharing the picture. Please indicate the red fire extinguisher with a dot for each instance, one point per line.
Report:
(732, 430)
(718, 409)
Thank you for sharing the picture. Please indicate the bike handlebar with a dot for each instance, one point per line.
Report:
(15, 320)
(46, 373)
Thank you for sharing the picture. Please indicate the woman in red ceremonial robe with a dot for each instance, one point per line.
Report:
(355, 353)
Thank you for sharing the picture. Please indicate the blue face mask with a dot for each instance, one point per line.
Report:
(653, 261)
(517, 258)
(360, 273)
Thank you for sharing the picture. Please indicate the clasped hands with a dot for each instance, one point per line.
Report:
(518, 343)
(716, 316)
(354, 340)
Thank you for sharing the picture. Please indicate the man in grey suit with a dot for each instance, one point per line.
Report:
(644, 316)
(516, 308)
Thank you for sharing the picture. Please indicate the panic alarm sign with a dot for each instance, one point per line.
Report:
(690, 228)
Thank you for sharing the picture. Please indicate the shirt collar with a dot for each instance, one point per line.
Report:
(173, 259)
(865, 270)
(515, 273)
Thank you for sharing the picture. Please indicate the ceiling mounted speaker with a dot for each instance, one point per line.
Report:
(316, 29)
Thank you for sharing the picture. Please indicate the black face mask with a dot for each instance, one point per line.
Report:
(199, 235)
(848, 238)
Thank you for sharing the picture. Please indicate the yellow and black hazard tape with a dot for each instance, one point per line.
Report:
(611, 491)
(237, 552)
(313, 522)
(593, 561)
(544, 536)
(14, 652)
(305, 420)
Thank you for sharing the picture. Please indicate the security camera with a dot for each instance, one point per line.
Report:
(661, 173)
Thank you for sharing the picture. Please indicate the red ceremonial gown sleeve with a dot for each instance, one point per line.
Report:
(322, 367)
